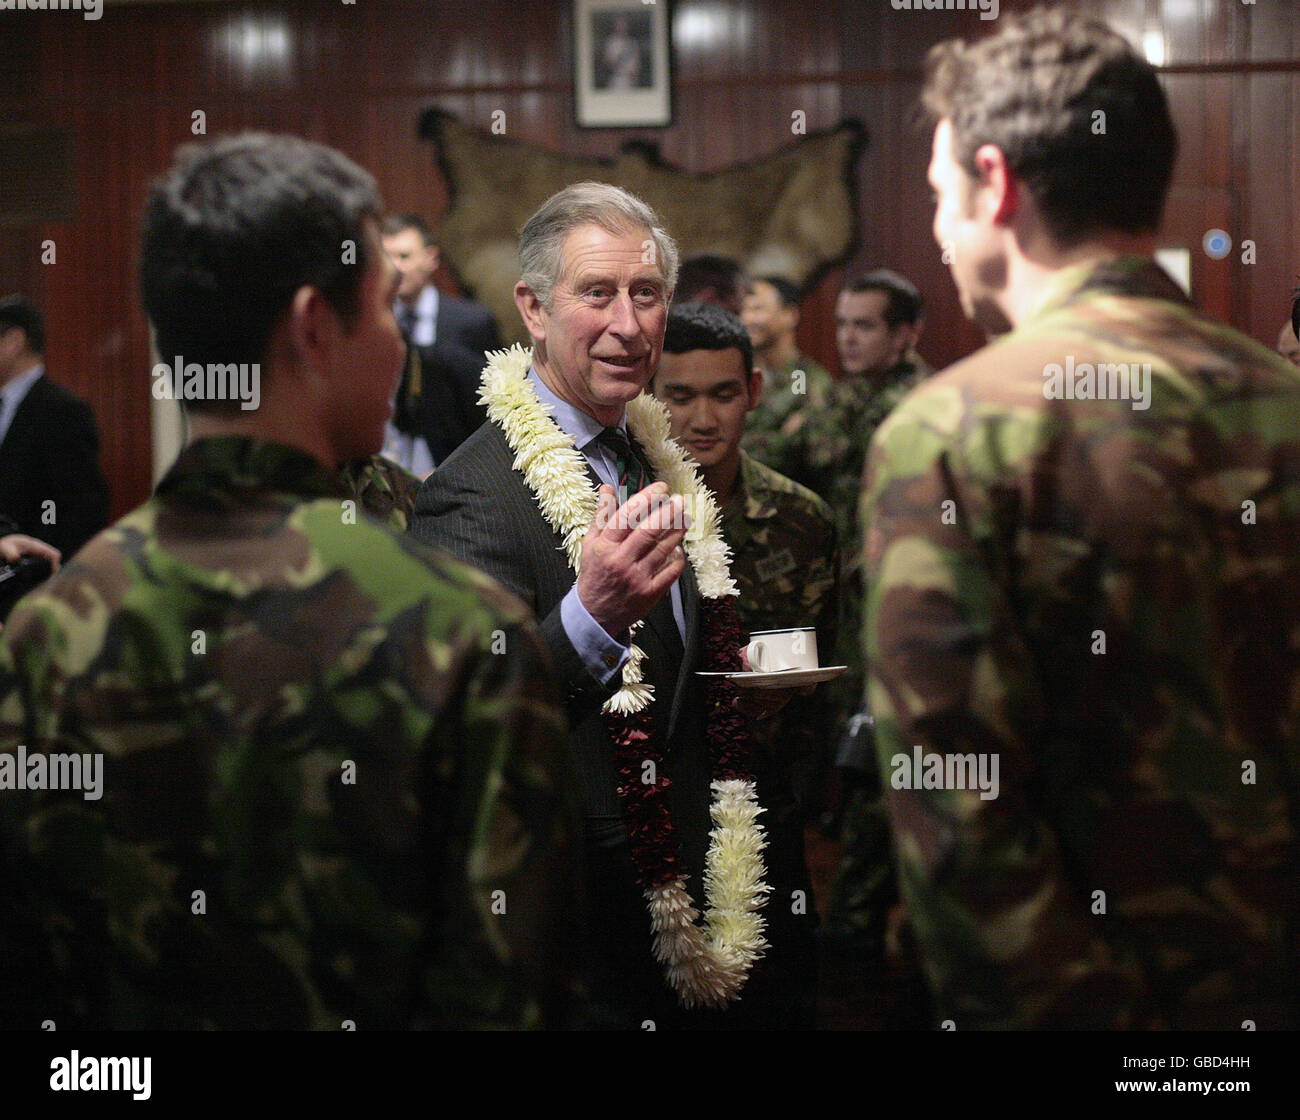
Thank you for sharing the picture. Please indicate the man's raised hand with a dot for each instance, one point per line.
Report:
(631, 555)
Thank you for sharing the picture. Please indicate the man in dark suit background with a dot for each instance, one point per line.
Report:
(595, 302)
(51, 486)
(447, 338)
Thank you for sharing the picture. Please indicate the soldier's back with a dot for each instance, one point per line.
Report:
(1120, 574)
(324, 747)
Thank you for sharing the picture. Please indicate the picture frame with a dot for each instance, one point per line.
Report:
(622, 65)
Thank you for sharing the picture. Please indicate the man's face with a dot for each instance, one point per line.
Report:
(967, 235)
(707, 394)
(1287, 345)
(599, 343)
(766, 318)
(868, 345)
(415, 261)
(367, 361)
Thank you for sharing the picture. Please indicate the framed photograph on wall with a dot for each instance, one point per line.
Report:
(622, 66)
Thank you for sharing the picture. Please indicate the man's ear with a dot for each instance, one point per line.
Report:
(531, 311)
(755, 387)
(997, 183)
(312, 328)
(434, 257)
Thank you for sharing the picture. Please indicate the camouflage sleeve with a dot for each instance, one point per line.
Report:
(385, 489)
(510, 914)
(958, 711)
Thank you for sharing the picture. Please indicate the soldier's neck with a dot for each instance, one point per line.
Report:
(777, 355)
(270, 424)
(723, 478)
(1036, 259)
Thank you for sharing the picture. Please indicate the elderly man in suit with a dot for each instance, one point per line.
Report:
(51, 486)
(529, 498)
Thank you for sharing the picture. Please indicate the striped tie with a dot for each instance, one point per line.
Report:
(632, 473)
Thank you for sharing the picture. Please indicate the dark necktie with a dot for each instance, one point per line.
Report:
(406, 319)
(632, 473)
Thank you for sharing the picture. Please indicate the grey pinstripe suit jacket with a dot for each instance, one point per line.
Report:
(477, 507)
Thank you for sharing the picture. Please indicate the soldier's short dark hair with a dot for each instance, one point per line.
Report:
(1077, 112)
(400, 223)
(788, 293)
(1295, 313)
(15, 311)
(235, 228)
(709, 270)
(903, 302)
(706, 326)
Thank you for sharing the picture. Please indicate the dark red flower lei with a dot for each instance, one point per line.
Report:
(635, 739)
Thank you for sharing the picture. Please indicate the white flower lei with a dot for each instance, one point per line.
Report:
(705, 966)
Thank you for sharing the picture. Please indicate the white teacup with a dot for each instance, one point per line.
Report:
(773, 651)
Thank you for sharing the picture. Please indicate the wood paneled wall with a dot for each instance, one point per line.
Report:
(358, 75)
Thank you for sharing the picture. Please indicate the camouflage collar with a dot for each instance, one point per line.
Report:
(753, 494)
(784, 372)
(1127, 276)
(209, 467)
(864, 390)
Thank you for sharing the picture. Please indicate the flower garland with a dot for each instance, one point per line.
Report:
(705, 966)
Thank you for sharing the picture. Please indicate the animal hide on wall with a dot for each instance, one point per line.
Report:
(791, 213)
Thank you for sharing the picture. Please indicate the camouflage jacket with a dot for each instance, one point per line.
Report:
(1101, 599)
(786, 565)
(386, 489)
(772, 426)
(330, 789)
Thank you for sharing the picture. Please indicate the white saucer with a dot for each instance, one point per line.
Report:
(786, 678)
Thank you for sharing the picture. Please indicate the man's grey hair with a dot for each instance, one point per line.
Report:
(590, 203)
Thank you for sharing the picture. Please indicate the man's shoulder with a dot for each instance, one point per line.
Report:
(783, 492)
(1000, 382)
(813, 368)
(393, 569)
(485, 450)
(385, 489)
(466, 310)
(319, 547)
(50, 395)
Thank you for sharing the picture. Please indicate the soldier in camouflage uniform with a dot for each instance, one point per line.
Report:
(329, 785)
(794, 385)
(877, 318)
(877, 322)
(786, 565)
(1083, 569)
